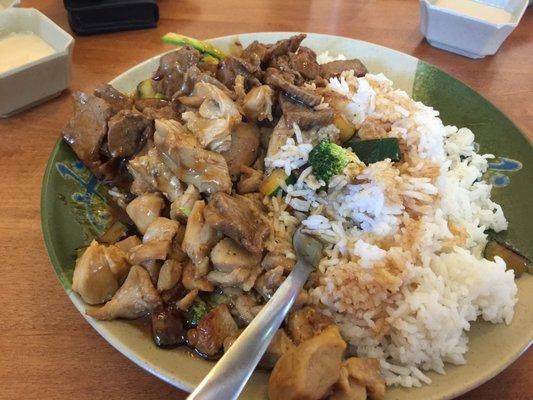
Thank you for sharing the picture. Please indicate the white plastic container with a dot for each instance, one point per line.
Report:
(32, 83)
(5, 4)
(472, 37)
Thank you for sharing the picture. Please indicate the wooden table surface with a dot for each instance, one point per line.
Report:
(47, 350)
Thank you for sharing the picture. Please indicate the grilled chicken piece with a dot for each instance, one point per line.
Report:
(236, 217)
(212, 329)
(204, 169)
(98, 272)
(269, 282)
(169, 275)
(228, 255)
(249, 181)
(145, 209)
(281, 343)
(365, 372)
(279, 137)
(257, 104)
(117, 100)
(126, 244)
(239, 277)
(86, 130)
(347, 388)
(191, 282)
(157, 241)
(335, 68)
(181, 208)
(151, 174)
(306, 322)
(216, 117)
(275, 259)
(199, 239)
(243, 149)
(126, 133)
(246, 307)
(135, 298)
(309, 370)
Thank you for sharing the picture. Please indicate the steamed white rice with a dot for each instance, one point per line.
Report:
(403, 274)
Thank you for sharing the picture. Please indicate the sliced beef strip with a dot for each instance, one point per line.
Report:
(282, 64)
(334, 68)
(274, 78)
(305, 117)
(237, 218)
(284, 46)
(255, 53)
(230, 67)
(304, 62)
(86, 130)
(125, 133)
(117, 100)
(170, 75)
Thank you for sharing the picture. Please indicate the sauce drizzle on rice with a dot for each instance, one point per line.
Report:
(404, 259)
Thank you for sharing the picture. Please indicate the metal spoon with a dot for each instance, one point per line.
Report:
(228, 377)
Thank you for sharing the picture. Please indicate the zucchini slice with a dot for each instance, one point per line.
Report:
(374, 150)
(272, 183)
(145, 90)
(203, 47)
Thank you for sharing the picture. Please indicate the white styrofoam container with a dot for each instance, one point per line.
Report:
(40, 80)
(465, 35)
(9, 3)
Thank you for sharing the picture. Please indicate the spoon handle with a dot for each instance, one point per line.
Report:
(228, 377)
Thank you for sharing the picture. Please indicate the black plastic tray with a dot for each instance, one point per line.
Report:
(88, 17)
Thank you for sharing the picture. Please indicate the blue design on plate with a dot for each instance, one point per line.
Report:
(500, 165)
(93, 202)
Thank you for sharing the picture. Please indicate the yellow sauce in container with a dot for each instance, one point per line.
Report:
(477, 10)
(21, 48)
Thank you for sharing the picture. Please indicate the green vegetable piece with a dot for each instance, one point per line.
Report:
(145, 90)
(208, 59)
(203, 47)
(196, 312)
(328, 159)
(371, 151)
(513, 259)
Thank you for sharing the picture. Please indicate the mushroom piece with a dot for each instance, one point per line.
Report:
(228, 255)
(268, 283)
(306, 322)
(135, 298)
(186, 301)
(241, 277)
(309, 370)
(145, 209)
(212, 330)
(199, 238)
(243, 149)
(126, 244)
(98, 272)
(181, 208)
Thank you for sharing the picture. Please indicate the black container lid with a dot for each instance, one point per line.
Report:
(87, 17)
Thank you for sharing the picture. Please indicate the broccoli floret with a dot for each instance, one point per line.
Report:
(328, 159)
(196, 312)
